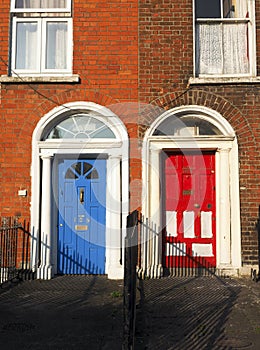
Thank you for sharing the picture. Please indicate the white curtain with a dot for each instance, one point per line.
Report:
(222, 48)
(235, 48)
(25, 4)
(235, 8)
(56, 55)
(26, 42)
(241, 8)
(209, 57)
(53, 3)
(40, 4)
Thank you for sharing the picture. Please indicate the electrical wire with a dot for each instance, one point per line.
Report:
(33, 88)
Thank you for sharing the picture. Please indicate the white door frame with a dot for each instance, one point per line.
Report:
(44, 180)
(228, 232)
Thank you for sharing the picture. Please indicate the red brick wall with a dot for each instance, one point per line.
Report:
(106, 59)
(165, 46)
(166, 64)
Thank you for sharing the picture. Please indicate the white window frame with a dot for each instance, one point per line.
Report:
(41, 47)
(251, 42)
(67, 8)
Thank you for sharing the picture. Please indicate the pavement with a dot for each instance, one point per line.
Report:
(208, 313)
(67, 312)
(86, 312)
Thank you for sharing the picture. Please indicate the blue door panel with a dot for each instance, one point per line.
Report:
(82, 216)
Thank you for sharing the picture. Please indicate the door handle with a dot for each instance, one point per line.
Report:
(81, 195)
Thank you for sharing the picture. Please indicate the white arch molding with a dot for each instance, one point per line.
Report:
(228, 232)
(43, 208)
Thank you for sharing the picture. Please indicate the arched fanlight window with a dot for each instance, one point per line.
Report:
(186, 125)
(80, 126)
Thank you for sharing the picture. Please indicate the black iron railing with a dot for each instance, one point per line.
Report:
(130, 279)
(160, 256)
(14, 249)
(255, 275)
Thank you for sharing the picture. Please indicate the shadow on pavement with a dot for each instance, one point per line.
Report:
(195, 313)
(68, 312)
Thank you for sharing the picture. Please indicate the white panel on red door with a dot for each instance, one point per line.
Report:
(171, 223)
(206, 224)
(188, 224)
(202, 249)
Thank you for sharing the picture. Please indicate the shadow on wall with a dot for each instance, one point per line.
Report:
(71, 262)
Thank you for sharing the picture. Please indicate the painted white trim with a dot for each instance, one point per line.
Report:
(154, 145)
(45, 269)
(40, 50)
(113, 235)
(252, 44)
(106, 115)
(224, 209)
(111, 148)
(66, 8)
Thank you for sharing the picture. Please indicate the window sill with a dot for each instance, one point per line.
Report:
(41, 79)
(224, 80)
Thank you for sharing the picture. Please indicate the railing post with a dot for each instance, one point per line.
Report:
(130, 277)
(254, 274)
(258, 231)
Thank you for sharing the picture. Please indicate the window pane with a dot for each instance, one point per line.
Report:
(240, 8)
(53, 3)
(221, 8)
(228, 9)
(26, 45)
(186, 126)
(207, 9)
(209, 52)
(56, 46)
(70, 175)
(26, 4)
(235, 8)
(235, 48)
(34, 4)
(81, 126)
(222, 48)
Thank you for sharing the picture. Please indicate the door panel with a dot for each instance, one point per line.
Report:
(81, 222)
(190, 208)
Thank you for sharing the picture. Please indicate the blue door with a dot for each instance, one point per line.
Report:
(82, 216)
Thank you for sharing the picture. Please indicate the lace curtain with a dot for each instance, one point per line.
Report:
(22, 4)
(222, 48)
(235, 49)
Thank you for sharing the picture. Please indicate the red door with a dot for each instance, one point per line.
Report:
(190, 209)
